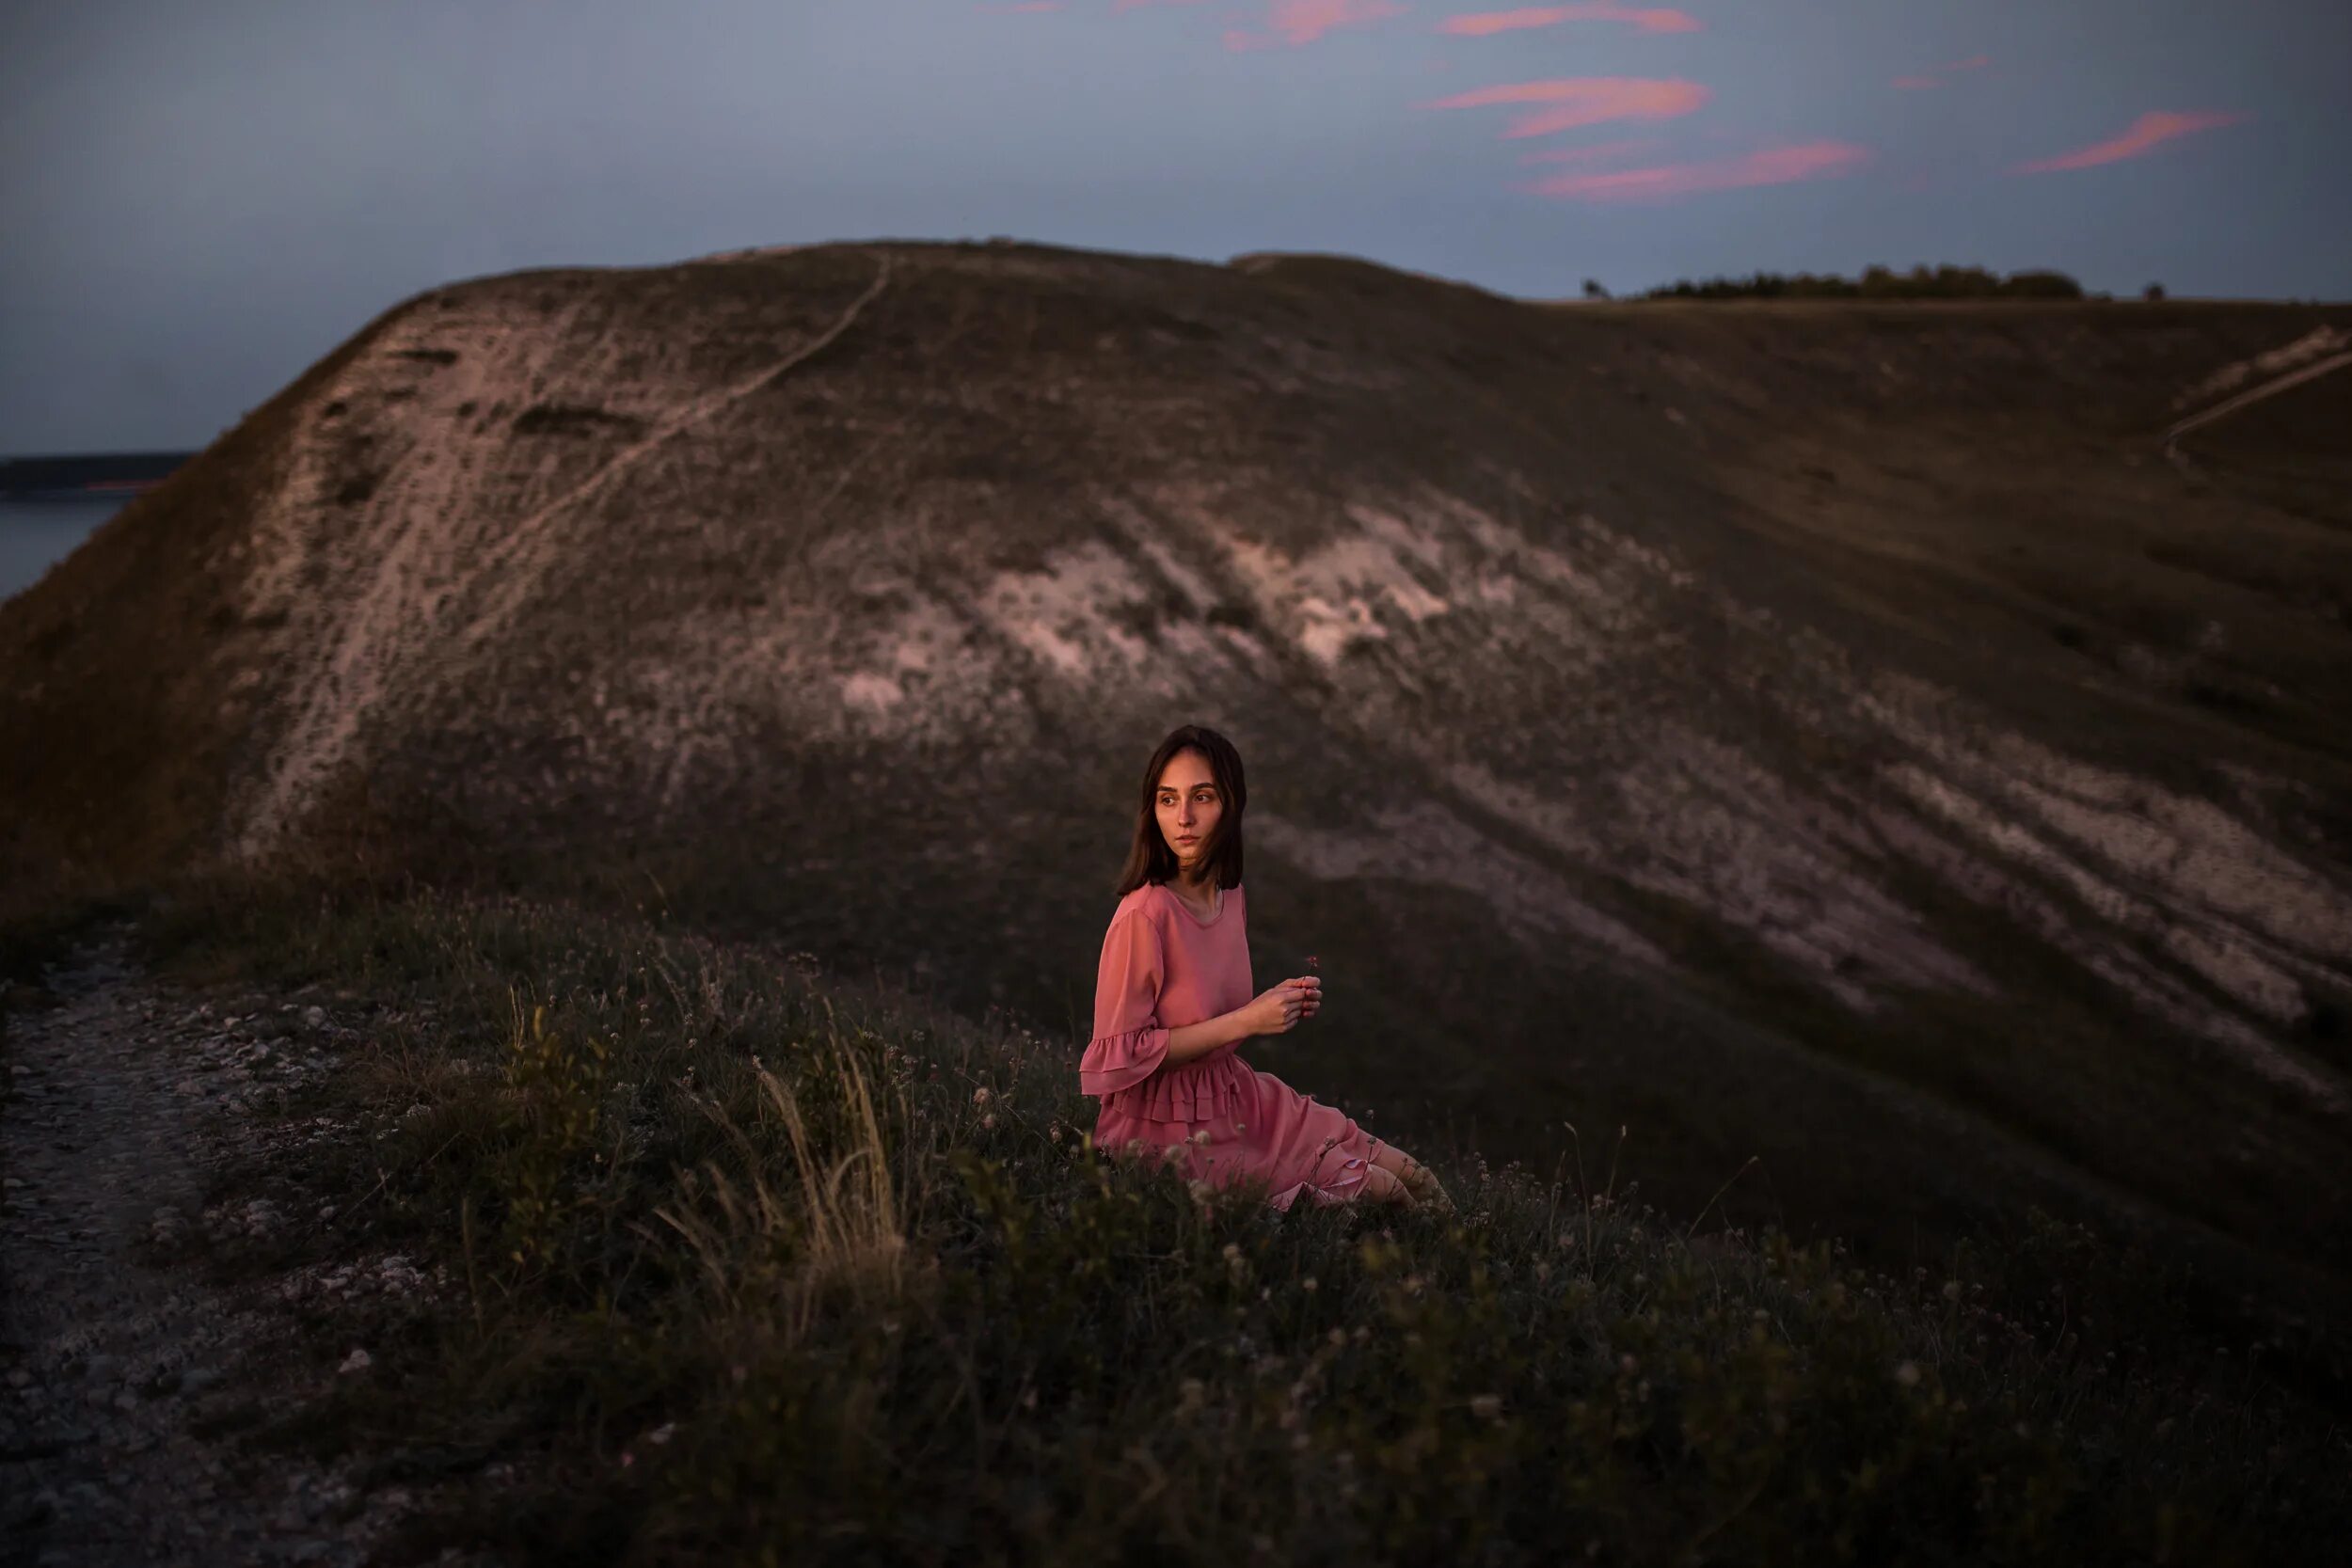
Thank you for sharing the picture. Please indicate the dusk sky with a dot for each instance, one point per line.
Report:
(202, 200)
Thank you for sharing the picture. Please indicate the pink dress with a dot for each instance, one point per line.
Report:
(1162, 967)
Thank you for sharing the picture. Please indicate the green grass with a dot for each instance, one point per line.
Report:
(747, 1264)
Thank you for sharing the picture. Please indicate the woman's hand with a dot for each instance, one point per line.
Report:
(1276, 1010)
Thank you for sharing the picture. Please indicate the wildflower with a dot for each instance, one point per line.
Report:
(1174, 1153)
(1053, 1133)
(1951, 1290)
(1486, 1407)
(1337, 1337)
(983, 1095)
(1907, 1374)
(989, 1121)
(1200, 1137)
(1308, 1283)
(1198, 1189)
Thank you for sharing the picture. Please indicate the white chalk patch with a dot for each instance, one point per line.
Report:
(2316, 344)
(1063, 614)
(877, 693)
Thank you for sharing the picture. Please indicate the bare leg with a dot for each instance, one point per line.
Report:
(1382, 1185)
(1413, 1174)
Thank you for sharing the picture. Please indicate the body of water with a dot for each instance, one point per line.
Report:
(35, 535)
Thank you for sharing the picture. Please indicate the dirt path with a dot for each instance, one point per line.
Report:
(124, 1364)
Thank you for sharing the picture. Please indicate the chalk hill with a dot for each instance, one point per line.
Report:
(1833, 732)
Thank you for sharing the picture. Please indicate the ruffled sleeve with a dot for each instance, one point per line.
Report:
(1129, 1044)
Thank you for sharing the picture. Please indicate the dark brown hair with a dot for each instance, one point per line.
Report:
(1149, 859)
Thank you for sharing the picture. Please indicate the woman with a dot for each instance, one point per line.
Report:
(1172, 1004)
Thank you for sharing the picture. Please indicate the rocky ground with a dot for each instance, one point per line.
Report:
(145, 1334)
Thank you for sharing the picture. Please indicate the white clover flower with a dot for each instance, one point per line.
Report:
(1486, 1407)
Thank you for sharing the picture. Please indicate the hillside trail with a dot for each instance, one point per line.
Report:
(126, 1363)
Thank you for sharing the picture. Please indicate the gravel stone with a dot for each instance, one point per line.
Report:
(117, 1345)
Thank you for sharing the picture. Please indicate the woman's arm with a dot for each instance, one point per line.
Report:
(1198, 1040)
(1129, 1042)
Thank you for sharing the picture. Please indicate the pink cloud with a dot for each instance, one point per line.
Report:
(1599, 152)
(1648, 19)
(1774, 166)
(1583, 101)
(2147, 132)
(1918, 82)
(1297, 21)
(1023, 7)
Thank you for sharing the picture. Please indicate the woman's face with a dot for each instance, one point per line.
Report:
(1190, 805)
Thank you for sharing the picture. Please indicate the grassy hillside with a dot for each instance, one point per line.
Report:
(1829, 741)
(749, 1262)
